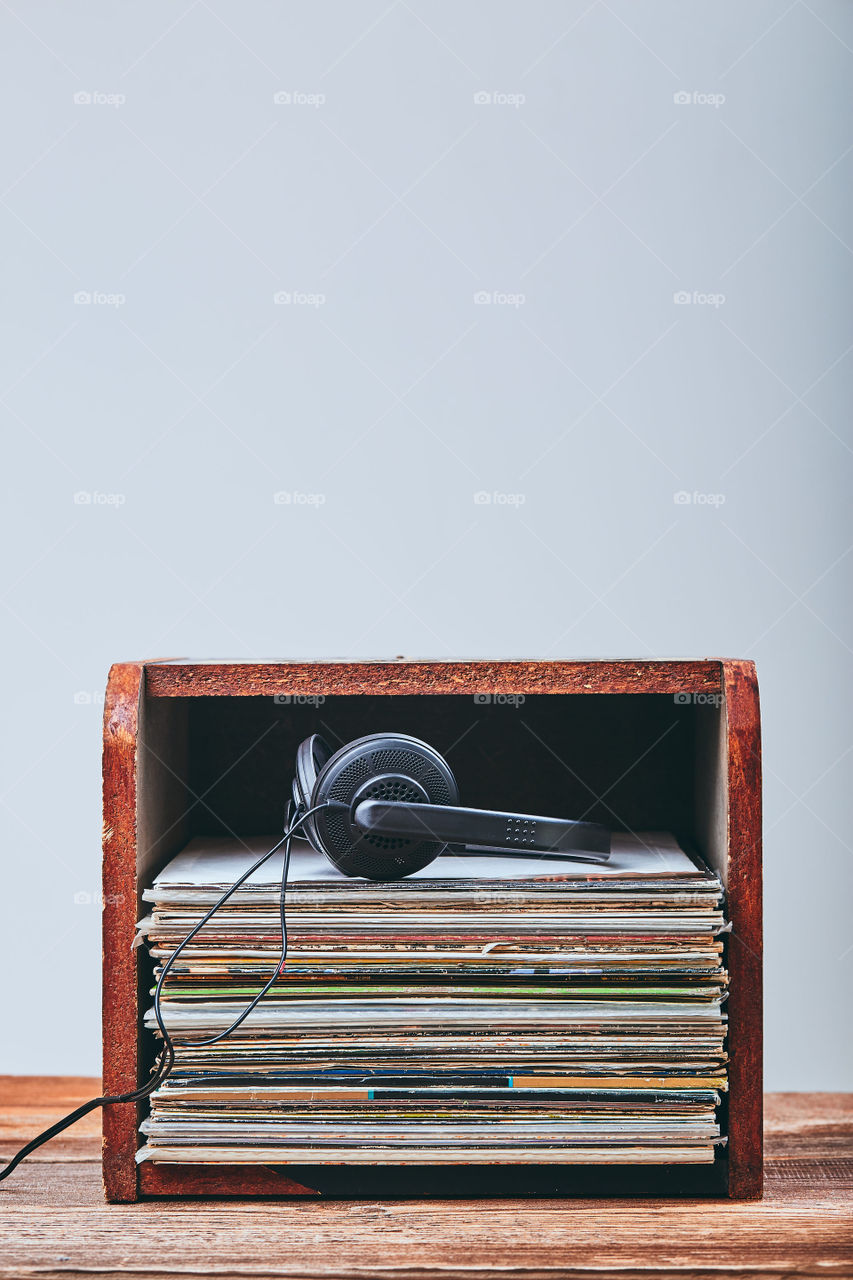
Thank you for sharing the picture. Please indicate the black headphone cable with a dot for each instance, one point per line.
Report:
(166, 1060)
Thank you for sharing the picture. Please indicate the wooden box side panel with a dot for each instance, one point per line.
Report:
(744, 888)
(120, 1007)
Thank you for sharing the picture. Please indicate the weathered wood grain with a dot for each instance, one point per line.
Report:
(119, 994)
(54, 1222)
(743, 908)
(410, 676)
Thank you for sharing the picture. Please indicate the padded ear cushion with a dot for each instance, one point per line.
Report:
(311, 756)
(381, 766)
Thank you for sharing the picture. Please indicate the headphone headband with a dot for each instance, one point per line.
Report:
(311, 755)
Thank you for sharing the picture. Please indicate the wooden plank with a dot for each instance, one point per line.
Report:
(53, 1221)
(743, 907)
(119, 998)
(302, 679)
(30, 1104)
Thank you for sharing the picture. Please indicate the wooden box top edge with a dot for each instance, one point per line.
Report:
(175, 677)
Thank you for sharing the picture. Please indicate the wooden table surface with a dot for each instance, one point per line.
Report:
(54, 1222)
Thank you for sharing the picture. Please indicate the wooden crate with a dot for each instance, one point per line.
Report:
(207, 748)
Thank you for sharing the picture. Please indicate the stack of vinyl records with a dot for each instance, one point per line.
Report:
(484, 1010)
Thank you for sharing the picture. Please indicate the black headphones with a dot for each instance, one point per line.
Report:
(386, 805)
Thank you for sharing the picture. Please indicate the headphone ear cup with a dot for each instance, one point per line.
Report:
(381, 766)
(311, 756)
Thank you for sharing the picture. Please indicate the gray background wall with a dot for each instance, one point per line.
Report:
(618, 156)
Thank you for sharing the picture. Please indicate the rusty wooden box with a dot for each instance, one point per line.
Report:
(207, 748)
